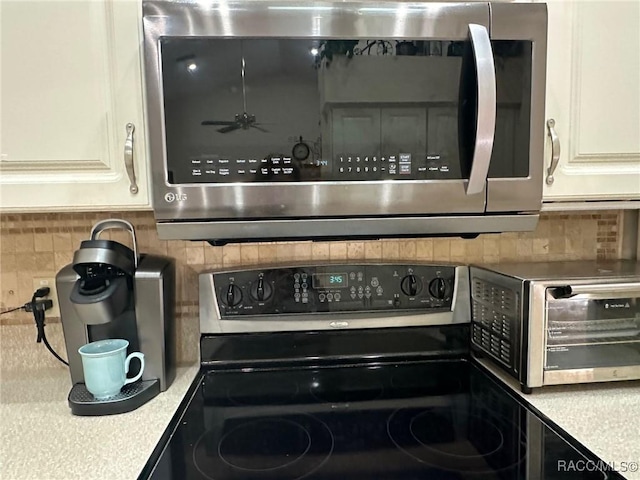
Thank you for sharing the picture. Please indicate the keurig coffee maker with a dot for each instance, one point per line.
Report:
(109, 291)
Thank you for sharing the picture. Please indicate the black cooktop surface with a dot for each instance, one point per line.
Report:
(437, 419)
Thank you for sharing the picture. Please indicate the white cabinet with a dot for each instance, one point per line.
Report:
(71, 82)
(593, 95)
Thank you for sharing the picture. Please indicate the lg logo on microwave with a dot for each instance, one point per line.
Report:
(171, 197)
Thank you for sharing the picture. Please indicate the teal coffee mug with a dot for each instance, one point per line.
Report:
(105, 365)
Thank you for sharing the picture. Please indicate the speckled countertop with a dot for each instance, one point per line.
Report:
(604, 417)
(40, 439)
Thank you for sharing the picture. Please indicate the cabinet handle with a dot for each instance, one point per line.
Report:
(128, 158)
(555, 150)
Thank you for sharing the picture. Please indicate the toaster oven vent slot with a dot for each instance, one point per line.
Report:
(495, 346)
(496, 322)
(500, 298)
(494, 311)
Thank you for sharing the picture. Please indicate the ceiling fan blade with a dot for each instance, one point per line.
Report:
(217, 122)
(230, 128)
(259, 128)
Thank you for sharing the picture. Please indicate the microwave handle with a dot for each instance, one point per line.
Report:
(601, 290)
(486, 117)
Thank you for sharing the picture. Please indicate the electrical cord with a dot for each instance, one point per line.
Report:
(13, 310)
(39, 316)
(39, 293)
(38, 307)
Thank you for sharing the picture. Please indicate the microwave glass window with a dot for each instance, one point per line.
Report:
(590, 333)
(251, 110)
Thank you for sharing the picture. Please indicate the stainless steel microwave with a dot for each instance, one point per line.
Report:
(291, 120)
(551, 323)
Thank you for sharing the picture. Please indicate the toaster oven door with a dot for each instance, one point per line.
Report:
(592, 333)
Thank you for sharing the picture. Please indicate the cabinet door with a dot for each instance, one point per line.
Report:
(593, 96)
(71, 82)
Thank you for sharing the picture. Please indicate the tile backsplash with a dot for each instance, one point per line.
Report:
(41, 244)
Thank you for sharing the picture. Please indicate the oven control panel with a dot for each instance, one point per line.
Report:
(334, 288)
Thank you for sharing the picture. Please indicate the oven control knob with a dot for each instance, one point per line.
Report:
(261, 290)
(438, 288)
(410, 285)
(233, 296)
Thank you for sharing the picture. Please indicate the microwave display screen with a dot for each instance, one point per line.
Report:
(282, 109)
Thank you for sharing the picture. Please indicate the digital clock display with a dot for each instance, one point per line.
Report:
(329, 280)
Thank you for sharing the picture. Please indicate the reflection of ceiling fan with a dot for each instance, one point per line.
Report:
(243, 120)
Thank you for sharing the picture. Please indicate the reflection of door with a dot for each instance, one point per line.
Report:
(442, 142)
(502, 164)
(403, 131)
(355, 132)
(378, 131)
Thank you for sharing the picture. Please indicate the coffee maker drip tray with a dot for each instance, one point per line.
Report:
(130, 397)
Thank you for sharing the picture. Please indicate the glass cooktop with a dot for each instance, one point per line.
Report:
(436, 419)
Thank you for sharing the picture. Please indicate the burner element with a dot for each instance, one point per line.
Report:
(437, 432)
(286, 448)
(264, 445)
(341, 386)
(453, 439)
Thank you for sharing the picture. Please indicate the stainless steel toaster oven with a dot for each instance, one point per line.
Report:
(552, 323)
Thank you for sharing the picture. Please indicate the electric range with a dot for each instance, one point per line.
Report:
(399, 402)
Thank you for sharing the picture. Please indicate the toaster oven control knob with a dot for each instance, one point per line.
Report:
(261, 290)
(410, 285)
(438, 288)
(234, 295)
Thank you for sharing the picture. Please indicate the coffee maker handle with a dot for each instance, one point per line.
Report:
(116, 223)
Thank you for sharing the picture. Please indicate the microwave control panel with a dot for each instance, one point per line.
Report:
(289, 168)
(334, 288)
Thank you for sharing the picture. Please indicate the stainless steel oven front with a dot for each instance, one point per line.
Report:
(355, 119)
